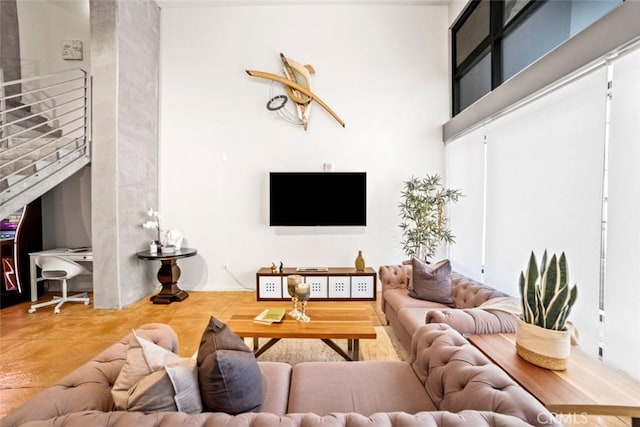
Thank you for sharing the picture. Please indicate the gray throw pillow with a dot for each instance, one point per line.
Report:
(431, 282)
(228, 373)
(231, 382)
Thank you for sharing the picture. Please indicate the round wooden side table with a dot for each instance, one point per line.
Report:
(168, 274)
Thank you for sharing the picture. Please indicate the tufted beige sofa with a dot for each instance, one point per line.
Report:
(447, 383)
(405, 314)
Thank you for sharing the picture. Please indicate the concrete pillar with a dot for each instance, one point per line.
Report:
(125, 47)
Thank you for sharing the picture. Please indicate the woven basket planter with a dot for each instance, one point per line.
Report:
(542, 347)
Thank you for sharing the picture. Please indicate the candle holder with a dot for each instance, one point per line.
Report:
(303, 292)
(292, 281)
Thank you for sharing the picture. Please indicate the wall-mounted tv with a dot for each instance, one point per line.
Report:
(318, 199)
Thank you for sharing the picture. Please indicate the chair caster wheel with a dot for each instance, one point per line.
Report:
(31, 310)
(86, 303)
(56, 311)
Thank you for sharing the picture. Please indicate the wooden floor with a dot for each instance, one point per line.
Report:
(38, 349)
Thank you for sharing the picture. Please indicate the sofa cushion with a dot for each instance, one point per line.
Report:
(411, 318)
(469, 321)
(230, 380)
(399, 298)
(275, 386)
(363, 387)
(431, 282)
(156, 379)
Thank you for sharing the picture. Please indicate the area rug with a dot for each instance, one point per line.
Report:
(386, 346)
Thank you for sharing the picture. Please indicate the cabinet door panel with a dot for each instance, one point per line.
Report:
(318, 286)
(362, 286)
(339, 287)
(270, 286)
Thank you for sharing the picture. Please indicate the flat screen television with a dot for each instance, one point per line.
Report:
(317, 199)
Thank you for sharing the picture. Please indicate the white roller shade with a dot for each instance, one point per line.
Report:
(544, 190)
(465, 171)
(622, 285)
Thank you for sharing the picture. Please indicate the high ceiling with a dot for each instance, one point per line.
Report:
(206, 3)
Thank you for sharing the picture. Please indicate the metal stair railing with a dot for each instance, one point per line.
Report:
(44, 134)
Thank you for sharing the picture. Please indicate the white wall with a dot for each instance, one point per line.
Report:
(382, 68)
(44, 24)
(455, 8)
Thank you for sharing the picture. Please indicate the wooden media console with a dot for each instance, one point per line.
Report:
(332, 283)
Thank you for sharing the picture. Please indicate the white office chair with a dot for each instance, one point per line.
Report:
(63, 269)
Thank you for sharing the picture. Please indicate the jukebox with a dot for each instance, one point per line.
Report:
(20, 234)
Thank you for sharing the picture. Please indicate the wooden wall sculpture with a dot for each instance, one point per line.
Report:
(297, 82)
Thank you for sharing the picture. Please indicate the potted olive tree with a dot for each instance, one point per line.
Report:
(423, 222)
(542, 334)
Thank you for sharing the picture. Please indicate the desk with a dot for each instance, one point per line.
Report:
(168, 274)
(86, 256)
(586, 386)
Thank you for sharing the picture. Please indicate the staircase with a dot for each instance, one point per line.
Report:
(44, 134)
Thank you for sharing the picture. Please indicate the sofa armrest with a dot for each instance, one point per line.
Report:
(457, 376)
(395, 276)
(469, 293)
(470, 321)
(88, 388)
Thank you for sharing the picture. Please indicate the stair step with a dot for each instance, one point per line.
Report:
(32, 143)
(12, 116)
(32, 133)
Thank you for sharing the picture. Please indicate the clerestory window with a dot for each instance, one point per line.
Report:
(493, 40)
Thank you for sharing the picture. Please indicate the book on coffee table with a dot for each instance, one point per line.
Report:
(270, 315)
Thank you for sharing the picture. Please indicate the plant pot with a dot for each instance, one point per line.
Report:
(542, 347)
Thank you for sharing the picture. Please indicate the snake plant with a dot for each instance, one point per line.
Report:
(546, 296)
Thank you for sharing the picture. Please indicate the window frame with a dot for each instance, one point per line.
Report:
(491, 43)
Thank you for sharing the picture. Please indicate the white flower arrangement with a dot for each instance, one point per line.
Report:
(154, 223)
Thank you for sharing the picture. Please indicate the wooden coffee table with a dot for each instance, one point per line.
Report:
(329, 321)
(587, 386)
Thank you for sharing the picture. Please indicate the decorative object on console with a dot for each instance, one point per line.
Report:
(422, 213)
(543, 335)
(431, 282)
(297, 83)
(359, 262)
